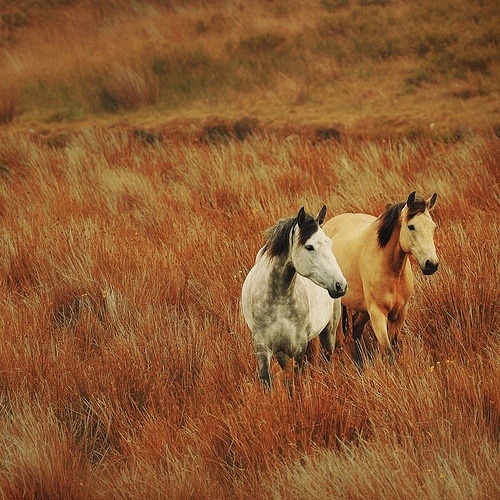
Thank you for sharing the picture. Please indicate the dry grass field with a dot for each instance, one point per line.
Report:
(144, 149)
(126, 370)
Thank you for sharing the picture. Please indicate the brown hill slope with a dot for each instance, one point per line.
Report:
(364, 66)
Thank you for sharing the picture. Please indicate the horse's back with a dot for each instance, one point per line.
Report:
(350, 234)
(347, 227)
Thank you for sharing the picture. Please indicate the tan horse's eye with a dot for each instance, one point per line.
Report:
(411, 227)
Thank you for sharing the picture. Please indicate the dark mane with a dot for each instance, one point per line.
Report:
(389, 219)
(278, 236)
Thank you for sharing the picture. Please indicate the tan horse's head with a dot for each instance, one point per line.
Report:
(417, 232)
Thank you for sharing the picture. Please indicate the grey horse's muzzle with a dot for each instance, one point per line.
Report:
(337, 290)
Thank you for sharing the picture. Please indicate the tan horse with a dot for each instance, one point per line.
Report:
(373, 254)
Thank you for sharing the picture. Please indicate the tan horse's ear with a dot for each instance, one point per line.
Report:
(320, 218)
(431, 201)
(411, 198)
(301, 216)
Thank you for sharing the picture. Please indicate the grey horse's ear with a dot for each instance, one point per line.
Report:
(431, 201)
(301, 216)
(320, 218)
(411, 198)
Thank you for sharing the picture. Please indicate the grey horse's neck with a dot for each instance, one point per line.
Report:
(282, 275)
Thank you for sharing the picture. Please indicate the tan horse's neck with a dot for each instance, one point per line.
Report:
(394, 255)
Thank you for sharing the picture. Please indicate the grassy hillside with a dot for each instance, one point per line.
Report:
(370, 67)
(126, 370)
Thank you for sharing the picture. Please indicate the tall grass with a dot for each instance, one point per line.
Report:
(126, 370)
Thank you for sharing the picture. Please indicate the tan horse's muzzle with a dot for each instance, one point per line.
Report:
(429, 267)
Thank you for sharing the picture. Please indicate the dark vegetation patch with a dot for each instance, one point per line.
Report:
(328, 134)
(219, 130)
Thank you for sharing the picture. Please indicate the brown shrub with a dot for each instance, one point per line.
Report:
(124, 87)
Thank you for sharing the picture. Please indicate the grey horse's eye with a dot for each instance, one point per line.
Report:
(411, 227)
(309, 248)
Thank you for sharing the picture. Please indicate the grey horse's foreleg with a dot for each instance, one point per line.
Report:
(282, 359)
(263, 359)
(299, 362)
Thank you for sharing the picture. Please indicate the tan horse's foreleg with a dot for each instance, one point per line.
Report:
(327, 340)
(379, 325)
(395, 327)
(328, 336)
(359, 321)
(342, 329)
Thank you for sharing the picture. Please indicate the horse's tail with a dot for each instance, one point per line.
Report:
(345, 321)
